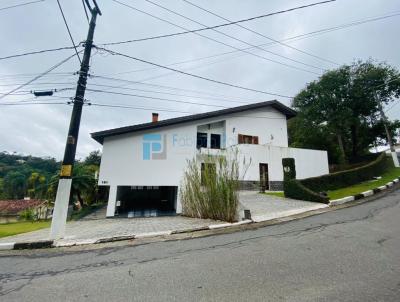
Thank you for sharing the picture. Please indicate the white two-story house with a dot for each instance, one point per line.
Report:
(143, 164)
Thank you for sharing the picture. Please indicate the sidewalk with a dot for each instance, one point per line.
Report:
(95, 228)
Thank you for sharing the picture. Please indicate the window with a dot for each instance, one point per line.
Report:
(215, 141)
(201, 140)
(247, 139)
(208, 172)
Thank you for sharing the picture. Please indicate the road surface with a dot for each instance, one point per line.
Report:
(351, 254)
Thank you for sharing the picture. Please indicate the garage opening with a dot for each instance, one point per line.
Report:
(150, 201)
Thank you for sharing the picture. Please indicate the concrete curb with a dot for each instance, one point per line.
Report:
(363, 194)
(255, 221)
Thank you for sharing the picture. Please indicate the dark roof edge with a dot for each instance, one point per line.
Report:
(100, 135)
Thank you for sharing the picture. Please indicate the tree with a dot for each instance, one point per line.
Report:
(93, 158)
(84, 183)
(343, 107)
(14, 185)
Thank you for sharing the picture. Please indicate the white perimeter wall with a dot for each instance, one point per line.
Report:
(309, 163)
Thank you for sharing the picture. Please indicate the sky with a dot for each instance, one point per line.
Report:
(41, 129)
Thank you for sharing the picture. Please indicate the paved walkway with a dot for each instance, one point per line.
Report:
(96, 226)
(86, 229)
(264, 207)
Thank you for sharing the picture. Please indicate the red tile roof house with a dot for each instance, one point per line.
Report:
(10, 209)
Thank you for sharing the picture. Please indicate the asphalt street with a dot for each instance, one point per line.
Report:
(352, 254)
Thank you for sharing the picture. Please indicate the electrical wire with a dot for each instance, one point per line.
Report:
(218, 41)
(69, 32)
(194, 75)
(294, 38)
(174, 94)
(234, 38)
(86, 13)
(38, 76)
(21, 4)
(157, 98)
(36, 52)
(297, 37)
(161, 86)
(209, 27)
(261, 35)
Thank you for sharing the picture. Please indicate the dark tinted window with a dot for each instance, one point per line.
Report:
(215, 141)
(201, 140)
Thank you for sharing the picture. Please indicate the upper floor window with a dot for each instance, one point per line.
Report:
(201, 140)
(215, 141)
(247, 139)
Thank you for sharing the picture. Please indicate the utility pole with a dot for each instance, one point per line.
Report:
(64, 185)
(389, 137)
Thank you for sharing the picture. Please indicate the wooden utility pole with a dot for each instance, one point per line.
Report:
(64, 185)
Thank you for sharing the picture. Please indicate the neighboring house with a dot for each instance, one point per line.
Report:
(144, 164)
(10, 209)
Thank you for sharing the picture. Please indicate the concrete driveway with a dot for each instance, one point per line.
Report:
(265, 207)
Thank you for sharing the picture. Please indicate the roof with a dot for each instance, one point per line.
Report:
(16, 206)
(100, 135)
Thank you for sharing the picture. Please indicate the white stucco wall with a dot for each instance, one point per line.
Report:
(309, 163)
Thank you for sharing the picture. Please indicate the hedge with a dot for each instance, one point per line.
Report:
(294, 189)
(349, 177)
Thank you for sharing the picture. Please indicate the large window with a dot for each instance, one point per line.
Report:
(247, 139)
(201, 140)
(215, 141)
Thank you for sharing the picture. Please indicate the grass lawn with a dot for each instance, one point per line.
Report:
(276, 194)
(388, 176)
(14, 228)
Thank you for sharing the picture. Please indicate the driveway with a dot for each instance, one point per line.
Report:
(264, 207)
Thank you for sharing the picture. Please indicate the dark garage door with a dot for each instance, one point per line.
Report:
(137, 201)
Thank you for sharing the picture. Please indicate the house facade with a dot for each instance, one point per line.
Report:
(144, 164)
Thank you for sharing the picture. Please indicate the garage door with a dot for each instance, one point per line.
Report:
(150, 201)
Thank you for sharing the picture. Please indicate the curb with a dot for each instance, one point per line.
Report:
(363, 194)
(56, 243)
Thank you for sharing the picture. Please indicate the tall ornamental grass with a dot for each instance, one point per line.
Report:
(211, 191)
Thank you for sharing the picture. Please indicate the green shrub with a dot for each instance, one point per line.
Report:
(347, 178)
(210, 188)
(28, 215)
(294, 189)
(289, 169)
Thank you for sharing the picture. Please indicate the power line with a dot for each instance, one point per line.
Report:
(168, 93)
(262, 35)
(220, 42)
(38, 76)
(194, 75)
(33, 103)
(84, 8)
(21, 4)
(161, 86)
(294, 38)
(69, 32)
(209, 27)
(236, 39)
(36, 52)
(297, 37)
(156, 98)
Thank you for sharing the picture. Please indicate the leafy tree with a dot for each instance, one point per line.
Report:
(342, 109)
(14, 185)
(93, 158)
(84, 183)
